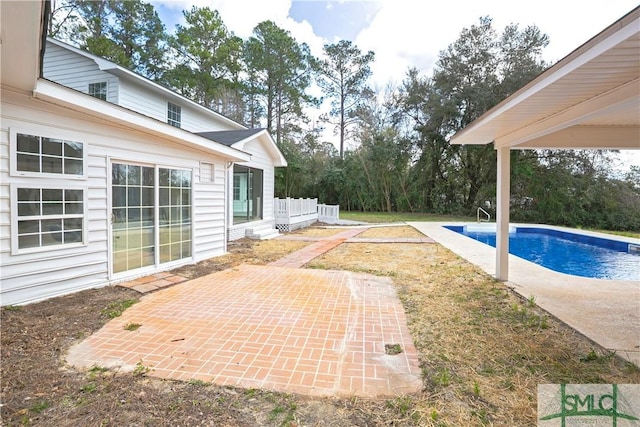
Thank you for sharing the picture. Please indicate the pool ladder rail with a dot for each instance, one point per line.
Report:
(488, 217)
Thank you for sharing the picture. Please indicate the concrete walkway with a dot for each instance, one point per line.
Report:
(278, 327)
(605, 311)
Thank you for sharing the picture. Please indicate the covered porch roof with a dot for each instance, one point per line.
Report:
(589, 99)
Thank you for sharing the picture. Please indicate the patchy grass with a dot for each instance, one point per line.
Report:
(482, 351)
(116, 308)
(386, 217)
(392, 231)
(320, 231)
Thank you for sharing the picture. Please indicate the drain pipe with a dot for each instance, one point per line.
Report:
(226, 204)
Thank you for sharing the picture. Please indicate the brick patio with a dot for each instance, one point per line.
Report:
(312, 332)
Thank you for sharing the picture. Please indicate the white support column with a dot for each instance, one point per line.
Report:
(503, 195)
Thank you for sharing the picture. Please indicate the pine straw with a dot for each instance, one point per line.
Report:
(483, 349)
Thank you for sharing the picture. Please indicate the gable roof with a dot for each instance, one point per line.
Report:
(589, 99)
(122, 72)
(230, 137)
(21, 29)
(238, 138)
(235, 139)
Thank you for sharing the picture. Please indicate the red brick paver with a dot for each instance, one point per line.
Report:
(301, 257)
(153, 282)
(314, 332)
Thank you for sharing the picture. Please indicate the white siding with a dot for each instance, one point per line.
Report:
(260, 159)
(76, 71)
(31, 276)
(154, 104)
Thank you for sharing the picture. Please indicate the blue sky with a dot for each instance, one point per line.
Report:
(408, 33)
(335, 20)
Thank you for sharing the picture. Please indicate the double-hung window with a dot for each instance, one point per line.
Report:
(48, 216)
(174, 115)
(50, 210)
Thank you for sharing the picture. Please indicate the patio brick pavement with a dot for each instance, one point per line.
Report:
(312, 332)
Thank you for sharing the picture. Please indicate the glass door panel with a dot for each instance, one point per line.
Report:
(175, 214)
(247, 194)
(133, 222)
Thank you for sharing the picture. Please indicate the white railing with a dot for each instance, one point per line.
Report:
(329, 213)
(290, 208)
(291, 214)
(488, 217)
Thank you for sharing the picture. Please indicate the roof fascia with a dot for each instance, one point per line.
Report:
(268, 143)
(622, 29)
(60, 95)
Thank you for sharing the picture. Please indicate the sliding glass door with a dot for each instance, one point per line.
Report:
(150, 214)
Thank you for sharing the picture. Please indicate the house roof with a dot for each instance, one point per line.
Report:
(122, 72)
(63, 96)
(230, 137)
(589, 99)
(20, 43)
(238, 138)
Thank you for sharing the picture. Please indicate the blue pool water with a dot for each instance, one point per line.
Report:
(568, 253)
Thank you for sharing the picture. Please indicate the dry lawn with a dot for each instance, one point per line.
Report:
(483, 352)
(483, 349)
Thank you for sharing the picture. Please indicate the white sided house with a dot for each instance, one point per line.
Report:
(103, 175)
(250, 184)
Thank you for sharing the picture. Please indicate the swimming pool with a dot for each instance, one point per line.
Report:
(565, 252)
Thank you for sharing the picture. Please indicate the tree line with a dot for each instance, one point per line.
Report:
(394, 152)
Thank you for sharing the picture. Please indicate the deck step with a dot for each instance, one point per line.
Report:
(262, 232)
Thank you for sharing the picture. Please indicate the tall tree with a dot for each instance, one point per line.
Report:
(207, 60)
(280, 70)
(127, 32)
(472, 75)
(344, 72)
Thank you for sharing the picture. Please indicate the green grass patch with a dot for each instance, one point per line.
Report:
(40, 406)
(132, 326)
(116, 308)
(634, 234)
(388, 217)
(198, 383)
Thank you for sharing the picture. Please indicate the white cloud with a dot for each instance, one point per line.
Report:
(408, 33)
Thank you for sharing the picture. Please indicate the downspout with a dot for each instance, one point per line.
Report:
(46, 16)
(227, 166)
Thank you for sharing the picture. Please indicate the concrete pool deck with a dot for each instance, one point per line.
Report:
(605, 311)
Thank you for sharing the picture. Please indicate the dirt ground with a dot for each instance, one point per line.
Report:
(483, 352)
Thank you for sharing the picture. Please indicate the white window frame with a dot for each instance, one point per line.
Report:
(15, 250)
(106, 87)
(157, 264)
(45, 133)
(172, 121)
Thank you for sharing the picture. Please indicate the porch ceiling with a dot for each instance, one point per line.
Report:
(589, 99)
